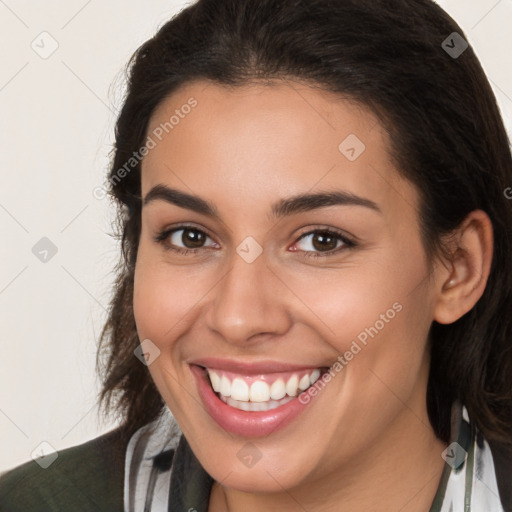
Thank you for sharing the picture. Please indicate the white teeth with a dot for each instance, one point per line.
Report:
(292, 385)
(225, 386)
(277, 390)
(255, 406)
(215, 380)
(304, 383)
(260, 392)
(244, 406)
(240, 390)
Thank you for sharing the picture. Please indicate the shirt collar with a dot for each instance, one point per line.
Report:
(469, 480)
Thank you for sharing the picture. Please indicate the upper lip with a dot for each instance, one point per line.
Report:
(250, 368)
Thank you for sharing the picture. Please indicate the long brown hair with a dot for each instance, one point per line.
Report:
(447, 138)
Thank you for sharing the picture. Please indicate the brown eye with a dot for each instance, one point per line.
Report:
(184, 239)
(192, 238)
(323, 243)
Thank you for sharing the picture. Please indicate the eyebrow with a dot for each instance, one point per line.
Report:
(284, 207)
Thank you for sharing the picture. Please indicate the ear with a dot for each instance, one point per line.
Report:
(464, 278)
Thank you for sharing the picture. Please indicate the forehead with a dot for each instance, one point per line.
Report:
(264, 141)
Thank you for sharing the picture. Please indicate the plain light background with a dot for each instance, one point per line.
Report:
(57, 120)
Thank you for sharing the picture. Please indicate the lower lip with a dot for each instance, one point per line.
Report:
(245, 423)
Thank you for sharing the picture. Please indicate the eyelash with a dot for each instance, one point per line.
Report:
(161, 238)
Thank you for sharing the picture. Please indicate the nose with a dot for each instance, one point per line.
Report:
(249, 301)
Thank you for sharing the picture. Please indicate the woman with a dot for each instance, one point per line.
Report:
(313, 309)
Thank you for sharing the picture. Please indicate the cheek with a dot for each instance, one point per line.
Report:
(347, 301)
(376, 316)
(163, 306)
(165, 296)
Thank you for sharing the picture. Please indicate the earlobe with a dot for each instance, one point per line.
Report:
(461, 288)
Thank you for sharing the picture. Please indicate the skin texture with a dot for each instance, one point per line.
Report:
(365, 442)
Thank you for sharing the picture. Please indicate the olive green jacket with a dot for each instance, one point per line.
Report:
(87, 478)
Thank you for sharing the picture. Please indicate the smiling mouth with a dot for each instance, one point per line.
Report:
(263, 392)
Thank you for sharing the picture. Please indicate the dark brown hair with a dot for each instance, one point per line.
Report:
(447, 138)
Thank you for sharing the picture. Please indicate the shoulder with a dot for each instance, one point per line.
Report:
(90, 474)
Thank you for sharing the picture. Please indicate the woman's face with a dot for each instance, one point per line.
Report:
(275, 289)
